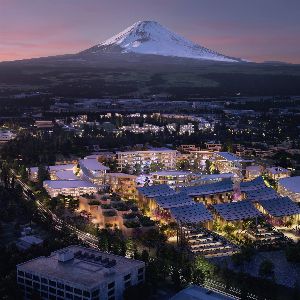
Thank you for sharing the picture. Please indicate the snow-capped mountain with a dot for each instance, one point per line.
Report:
(150, 37)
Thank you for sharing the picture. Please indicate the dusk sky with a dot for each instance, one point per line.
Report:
(257, 30)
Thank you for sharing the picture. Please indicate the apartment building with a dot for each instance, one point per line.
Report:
(73, 188)
(92, 170)
(172, 178)
(165, 157)
(79, 273)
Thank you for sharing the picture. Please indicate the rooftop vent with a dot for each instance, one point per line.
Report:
(65, 255)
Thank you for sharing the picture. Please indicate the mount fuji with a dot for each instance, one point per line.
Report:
(150, 37)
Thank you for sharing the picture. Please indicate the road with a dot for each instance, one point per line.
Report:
(87, 238)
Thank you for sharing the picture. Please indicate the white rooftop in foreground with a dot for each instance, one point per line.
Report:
(291, 183)
(86, 267)
(195, 292)
(60, 184)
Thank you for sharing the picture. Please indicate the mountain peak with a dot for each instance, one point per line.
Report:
(150, 37)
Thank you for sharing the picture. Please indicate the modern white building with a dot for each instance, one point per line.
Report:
(53, 170)
(290, 187)
(165, 157)
(79, 273)
(91, 169)
(73, 188)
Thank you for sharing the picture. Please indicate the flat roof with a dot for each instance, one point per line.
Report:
(92, 164)
(82, 270)
(54, 168)
(66, 175)
(235, 211)
(291, 183)
(61, 184)
(174, 200)
(191, 213)
(280, 207)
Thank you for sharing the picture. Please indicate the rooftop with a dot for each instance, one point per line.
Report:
(156, 190)
(229, 156)
(277, 170)
(66, 175)
(280, 207)
(191, 213)
(92, 164)
(235, 211)
(174, 200)
(261, 194)
(60, 184)
(87, 268)
(255, 184)
(208, 189)
(54, 168)
(291, 183)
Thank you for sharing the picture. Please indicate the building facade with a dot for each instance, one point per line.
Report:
(79, 273)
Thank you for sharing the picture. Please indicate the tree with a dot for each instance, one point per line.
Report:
(266, 268)
(43, 174)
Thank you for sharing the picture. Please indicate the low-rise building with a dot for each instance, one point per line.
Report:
(277, 173)
(53, 170)
(91, 169)
(166, 158)
(77, 272)
(253, 172)
(290, 187)
(73, 188)
(172, 178)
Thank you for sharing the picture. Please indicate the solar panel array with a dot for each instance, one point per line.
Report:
(236, 211)
(155, 190)
(209, 189)
(280, 207)
(193, 213)
(168, 201)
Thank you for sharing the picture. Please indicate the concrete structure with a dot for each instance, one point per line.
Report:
(290, 187)
(73, 188)
(81, 273)
(145, 159)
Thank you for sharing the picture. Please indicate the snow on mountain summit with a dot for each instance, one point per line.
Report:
(150, 37)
